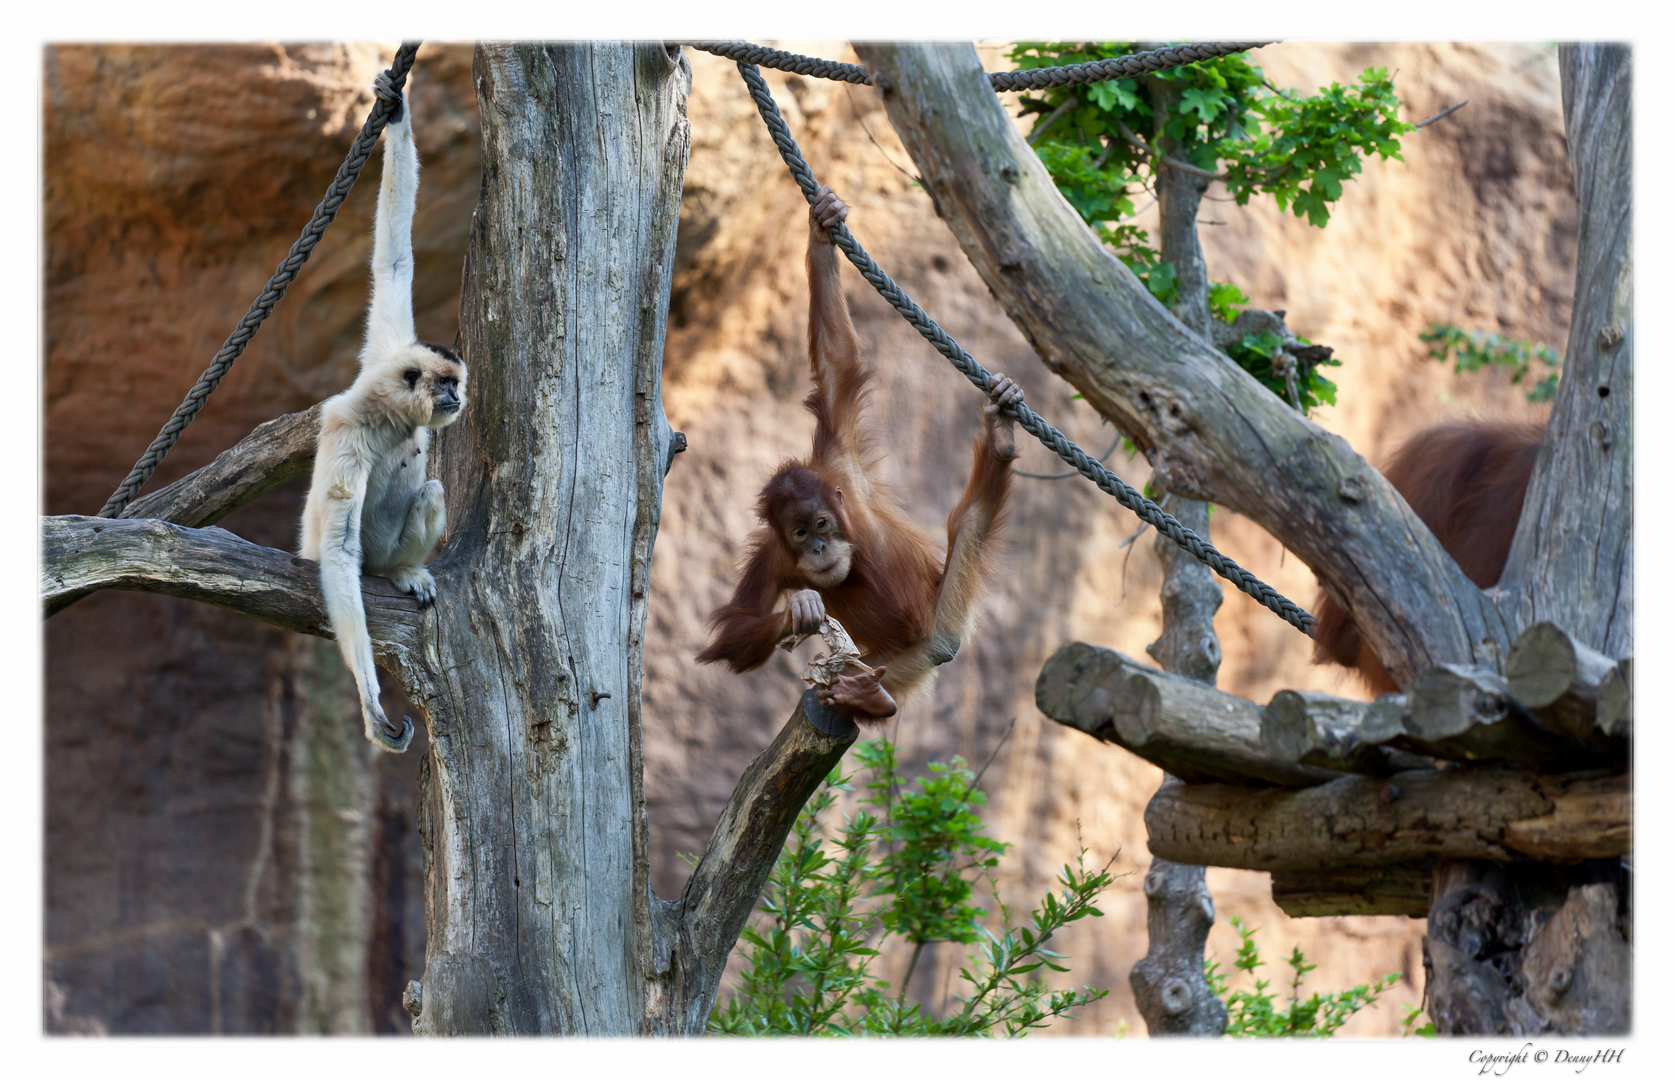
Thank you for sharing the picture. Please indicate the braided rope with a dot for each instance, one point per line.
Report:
(746, 53)
(1119, 67)
(1109, 482)
(387, 87)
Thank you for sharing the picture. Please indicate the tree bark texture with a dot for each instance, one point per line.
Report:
(532, 816)
(82, 554)
(1168, 982)
(1334, 733)
(1558, 679)
(1210, 430)
(703, 926)
(1494, 814)
(1529, 949)
(1400, 889)
(1572, 560)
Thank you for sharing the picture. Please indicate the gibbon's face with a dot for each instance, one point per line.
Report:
(430, 384)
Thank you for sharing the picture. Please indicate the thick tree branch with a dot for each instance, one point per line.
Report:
(80, 555)
(1209, 429)
(1500, 815)
(279, 450)
(748, 838)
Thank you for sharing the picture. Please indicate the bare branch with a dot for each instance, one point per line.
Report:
(1210, 430)
(1443, 113)
(748, 838)
(279, 450)
(1174, 163)
(80, 555)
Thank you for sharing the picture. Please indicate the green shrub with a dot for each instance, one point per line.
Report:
(896, 875)
(1253, 1012)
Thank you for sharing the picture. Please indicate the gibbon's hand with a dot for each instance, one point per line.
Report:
(807, 612)
(1002, 392)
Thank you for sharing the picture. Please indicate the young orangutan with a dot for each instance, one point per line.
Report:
(835, 540)
(1465, 480)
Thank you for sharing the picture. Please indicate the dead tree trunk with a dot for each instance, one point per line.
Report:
(532, 818)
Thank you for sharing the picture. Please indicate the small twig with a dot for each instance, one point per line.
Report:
(1137, 534)
(1166, 159)
(1140, 211)
(1041, 127)
(875, 142)
(1007, 734)
(1123, 577)
(1062, 475)
(1104, 155)
(1443, 113)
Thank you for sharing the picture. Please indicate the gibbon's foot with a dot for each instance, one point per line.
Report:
(826, 212)
(387, 736)
(418, 582)
(862, 696)
(1002, 392)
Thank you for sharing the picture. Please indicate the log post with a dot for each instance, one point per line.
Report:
(1169, 985)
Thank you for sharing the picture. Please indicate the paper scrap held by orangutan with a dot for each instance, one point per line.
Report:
(841, 654)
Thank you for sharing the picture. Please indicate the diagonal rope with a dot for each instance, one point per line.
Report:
(1109, 482)
(387, 87)
(1117, 67)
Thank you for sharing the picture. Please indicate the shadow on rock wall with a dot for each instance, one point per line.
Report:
(223, 852)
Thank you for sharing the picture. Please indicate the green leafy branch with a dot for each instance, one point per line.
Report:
(1253, 1013)
(1298, 149)
(1475, 350)
(897, 875)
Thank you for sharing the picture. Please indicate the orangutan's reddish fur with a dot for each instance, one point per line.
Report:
(903, 606)
(1465, 480)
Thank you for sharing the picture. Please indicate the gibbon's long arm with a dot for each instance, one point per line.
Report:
(389, 322)
(343, 450)
(340, 578)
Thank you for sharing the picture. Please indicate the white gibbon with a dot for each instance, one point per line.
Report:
(369, 505)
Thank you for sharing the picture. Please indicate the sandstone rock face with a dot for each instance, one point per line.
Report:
(223, 855)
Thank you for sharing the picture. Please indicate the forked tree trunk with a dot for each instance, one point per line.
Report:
(532, 816)
(1532, 948)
